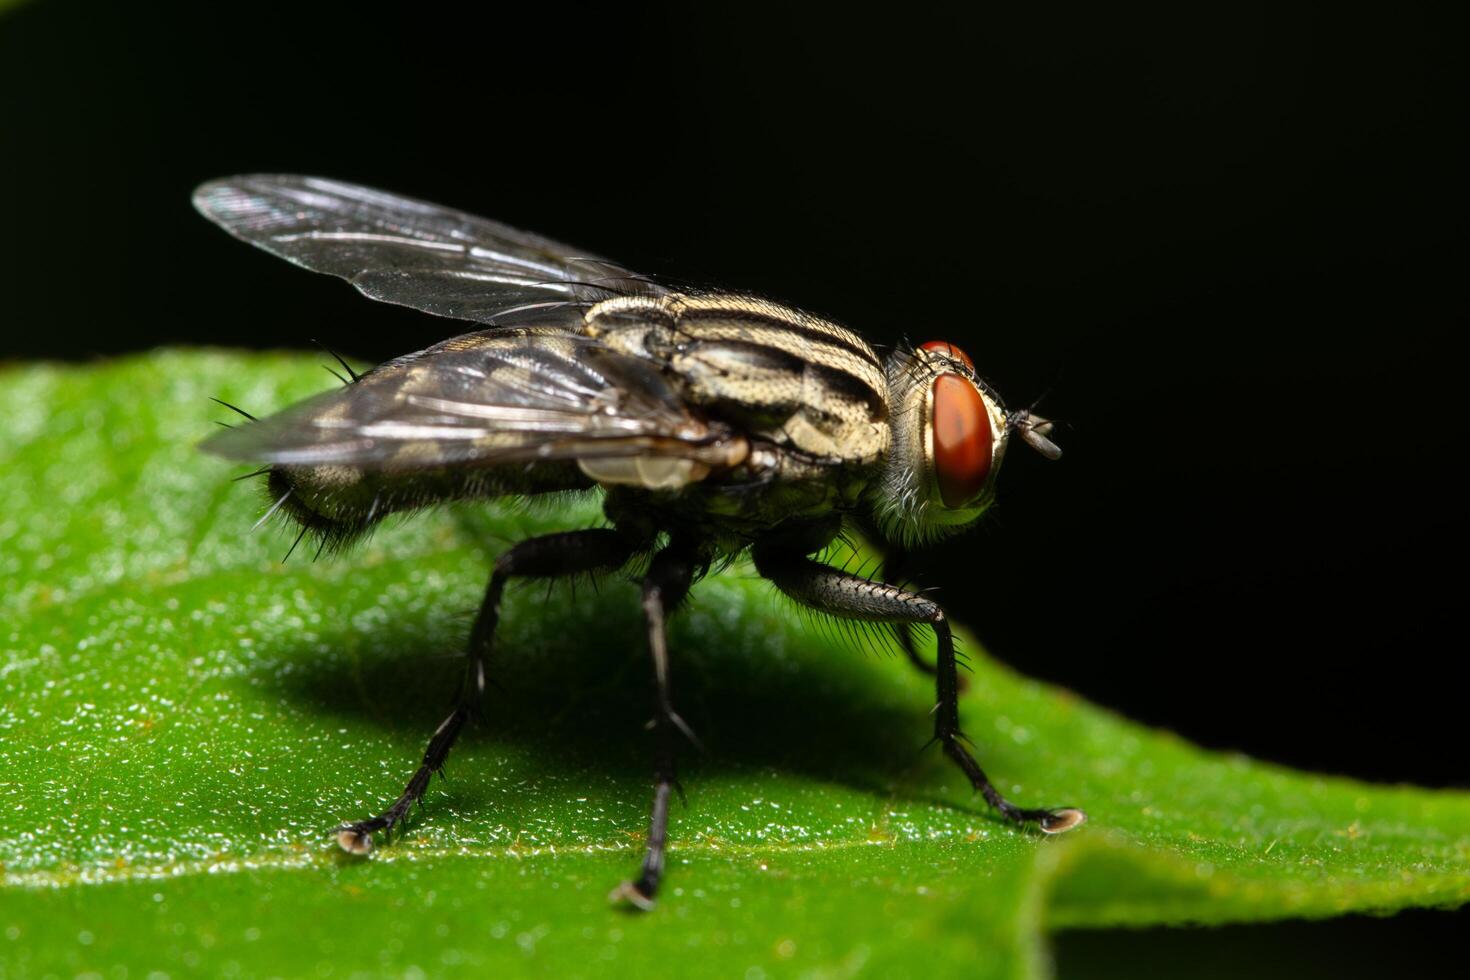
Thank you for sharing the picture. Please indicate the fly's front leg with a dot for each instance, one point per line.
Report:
(551, 556)
(894, 563)
(828, 590)
(905, 633)
(664, 588)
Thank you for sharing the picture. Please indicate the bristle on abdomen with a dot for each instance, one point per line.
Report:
(320, 513)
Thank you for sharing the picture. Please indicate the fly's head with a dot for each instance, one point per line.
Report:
(950, 433)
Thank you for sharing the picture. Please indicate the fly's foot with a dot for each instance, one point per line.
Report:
(1057, 821)
(637, 894)
(1062, 820)
(357, 838)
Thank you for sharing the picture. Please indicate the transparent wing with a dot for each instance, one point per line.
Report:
(403, 251)
(490, 398)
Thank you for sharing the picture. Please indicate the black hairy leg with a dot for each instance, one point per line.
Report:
(895, 563)
(551, 556)
(664, 588)
(894, 568)
(853, 597)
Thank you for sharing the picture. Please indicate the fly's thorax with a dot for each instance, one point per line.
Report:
(950, 432)
(796, 380)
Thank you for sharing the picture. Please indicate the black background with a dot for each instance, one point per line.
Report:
(1228, 244)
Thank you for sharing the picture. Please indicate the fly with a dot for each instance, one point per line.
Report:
(715, 424)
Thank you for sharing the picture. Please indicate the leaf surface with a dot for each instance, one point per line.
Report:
(184, 718)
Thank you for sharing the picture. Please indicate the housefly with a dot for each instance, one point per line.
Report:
(715, 424)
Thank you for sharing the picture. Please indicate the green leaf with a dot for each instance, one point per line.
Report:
(185, 718)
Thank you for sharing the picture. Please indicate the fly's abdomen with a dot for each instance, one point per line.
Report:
(795, 379)
(338, 503)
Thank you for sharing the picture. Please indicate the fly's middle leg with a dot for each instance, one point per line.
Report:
(551, 556)
(666, 585)
(853, 597)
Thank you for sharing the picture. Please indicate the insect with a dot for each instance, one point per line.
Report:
(715, 424)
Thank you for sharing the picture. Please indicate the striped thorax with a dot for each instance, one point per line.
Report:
(783, 376)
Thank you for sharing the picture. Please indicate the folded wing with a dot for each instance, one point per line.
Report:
(515, 396)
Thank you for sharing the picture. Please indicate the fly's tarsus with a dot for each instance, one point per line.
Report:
(947, 733)
(357, 838)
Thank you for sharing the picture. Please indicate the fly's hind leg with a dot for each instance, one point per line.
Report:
(828, 590)
(665, 586)
(551, 556)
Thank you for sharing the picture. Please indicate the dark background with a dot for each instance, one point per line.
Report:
(1229, 245)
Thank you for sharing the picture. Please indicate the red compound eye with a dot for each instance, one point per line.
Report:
(945, 347)
(962, 440)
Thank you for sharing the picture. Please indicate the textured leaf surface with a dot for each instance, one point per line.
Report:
(184, 717)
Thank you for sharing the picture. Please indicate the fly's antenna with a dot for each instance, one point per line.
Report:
(1034, 430)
